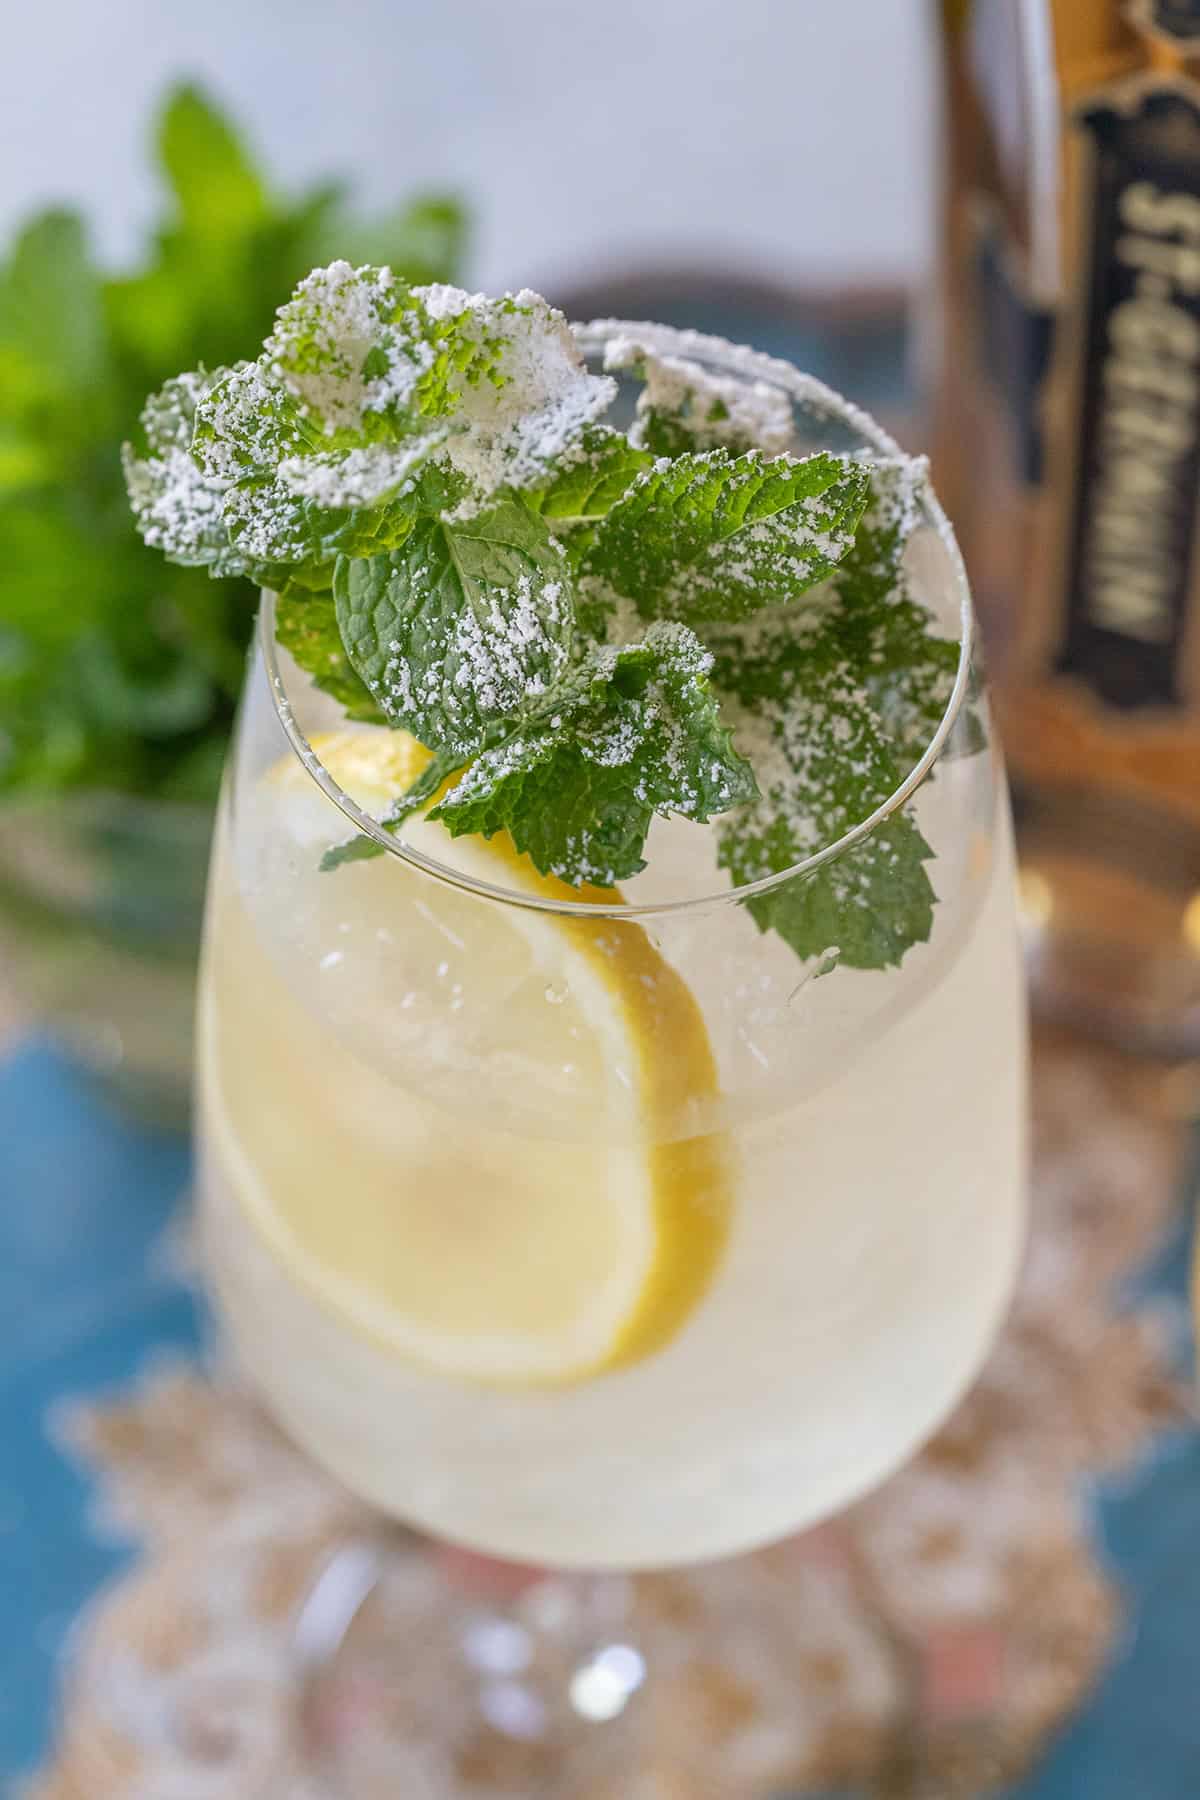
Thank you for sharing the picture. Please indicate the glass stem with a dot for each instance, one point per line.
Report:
(450, 1672)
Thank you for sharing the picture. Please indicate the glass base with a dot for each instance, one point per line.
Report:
(448, 1675)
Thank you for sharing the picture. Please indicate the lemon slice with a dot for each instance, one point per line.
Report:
(370, 764)
(487, 1254)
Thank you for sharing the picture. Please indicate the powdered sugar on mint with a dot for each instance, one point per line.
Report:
(359, 477)
(715, 411)
(343, 347)
(522, 420)
(178, 506)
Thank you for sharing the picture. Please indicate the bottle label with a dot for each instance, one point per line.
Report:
(1178, 20)
(1134, 438)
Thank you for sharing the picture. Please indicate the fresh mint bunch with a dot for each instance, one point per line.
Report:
(585, 627)
(117, 670)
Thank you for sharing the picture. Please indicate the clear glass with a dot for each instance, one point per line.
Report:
(410, 1064)
(101, 901)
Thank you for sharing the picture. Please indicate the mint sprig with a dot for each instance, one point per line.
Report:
(585, 627)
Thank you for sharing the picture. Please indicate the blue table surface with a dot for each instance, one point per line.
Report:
(87, 1295)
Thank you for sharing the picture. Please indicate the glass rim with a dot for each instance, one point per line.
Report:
(823, 401)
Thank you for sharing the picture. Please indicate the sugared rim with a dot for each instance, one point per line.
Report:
(818, 400)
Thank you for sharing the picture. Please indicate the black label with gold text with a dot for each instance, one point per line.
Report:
(1133, 520)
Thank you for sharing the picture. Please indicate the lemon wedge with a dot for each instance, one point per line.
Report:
(489, 1255)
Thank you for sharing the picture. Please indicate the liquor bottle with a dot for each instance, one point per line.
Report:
(1068, 442)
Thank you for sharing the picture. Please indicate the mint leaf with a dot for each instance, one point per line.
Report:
(52, 345)
(841, 700)
(118, 669)
(319, 448)
(358, 848)
(427, 239)
(217, 188)
(685, 406)
(870, 905)
(509, 373)
(367, 356)
(463, 627)
(285, 497)
(710, 537)
(884, 632)
(361, 848)
(178, 507)
(635, 732)
(590, 480)
(307, 627)
(352, 347)
(824, 763)
(202, 509)
(907, 672)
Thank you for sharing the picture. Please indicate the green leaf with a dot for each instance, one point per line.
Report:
(710, 537)
(358, 848)
(52, 340)
(308, 628)
(97, 631)
(685, 406)
(907, 672)
(365, 355)
(26, 459)
(287, 500)
(361, 848)
(370, 404)
(179, 508)
(160, 704)
(218, 190)
(348, 347)
(425, 240)
(842, 699)
(462, 627)
(638, 733)
(884, 632)
(588, 485)
(870, 905)
(824, 764)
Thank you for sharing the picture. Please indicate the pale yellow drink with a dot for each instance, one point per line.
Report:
(573, 1277)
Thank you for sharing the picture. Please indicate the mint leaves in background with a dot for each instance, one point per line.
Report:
(118, 669)
(585, 627)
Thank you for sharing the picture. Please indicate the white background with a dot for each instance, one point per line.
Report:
(779, 137)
